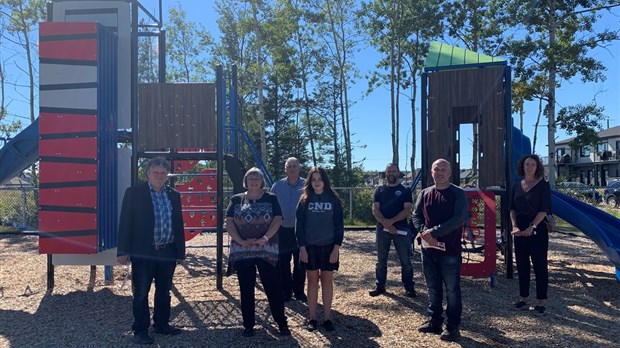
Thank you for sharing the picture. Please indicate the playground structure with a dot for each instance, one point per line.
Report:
(464, 87)
(90, 97)
(96, 124)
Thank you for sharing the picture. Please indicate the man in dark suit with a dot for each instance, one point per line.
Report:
(151, 237)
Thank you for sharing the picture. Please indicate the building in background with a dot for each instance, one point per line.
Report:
(591, 166)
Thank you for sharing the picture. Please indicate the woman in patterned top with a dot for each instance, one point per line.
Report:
(252, 221)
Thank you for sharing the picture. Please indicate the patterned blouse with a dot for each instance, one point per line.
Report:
(252, 219)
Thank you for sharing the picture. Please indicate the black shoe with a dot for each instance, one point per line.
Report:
(167, 330)
(312, 324)
(301, 297)
(284, 330)
(539, 310)
(450, 335)
(143, 337)
(411, 293)
(248, 332)
(328, 325)
(430, 327)
(520, 306)
(376, 291)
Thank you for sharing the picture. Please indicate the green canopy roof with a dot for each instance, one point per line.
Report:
(445, 56)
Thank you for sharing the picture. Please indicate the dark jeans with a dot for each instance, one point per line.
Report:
(440, 271)
(269, 277)
(291, 283)
(535, 248)
(402, 244)
(160, 267)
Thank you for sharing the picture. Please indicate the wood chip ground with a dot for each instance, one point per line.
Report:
(583, 307)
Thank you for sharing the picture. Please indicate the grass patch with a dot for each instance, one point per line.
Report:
(563, 226)
(4, 228)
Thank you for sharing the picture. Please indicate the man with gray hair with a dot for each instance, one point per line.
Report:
(439, 214)
(151, 236)
(289, 190)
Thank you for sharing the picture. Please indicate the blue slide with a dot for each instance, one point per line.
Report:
(601, 227)
(20, 152)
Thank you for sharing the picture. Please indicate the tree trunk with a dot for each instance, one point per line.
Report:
(551, 99)
(540, 111)
(306, 101)
(259, 85)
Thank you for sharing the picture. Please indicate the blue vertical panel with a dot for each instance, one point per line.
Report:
(107, 106)
(234, 118)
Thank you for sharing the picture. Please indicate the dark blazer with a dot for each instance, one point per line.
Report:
(137, 222)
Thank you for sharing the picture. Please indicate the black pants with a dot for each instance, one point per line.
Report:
(533, 248)
(160, 267)
(291, 283)
(246, 274)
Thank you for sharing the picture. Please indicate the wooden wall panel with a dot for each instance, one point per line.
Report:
(455, 96)
(176, 116)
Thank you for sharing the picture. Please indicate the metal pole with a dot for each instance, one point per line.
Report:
(50, 273)
(351, 204)
(162, 56)
(220, 136)
(507, 196)
(234, 113)
(134, 91)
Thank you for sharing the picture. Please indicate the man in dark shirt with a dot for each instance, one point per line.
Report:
(439, 214)
(391, 207)
(151, 236)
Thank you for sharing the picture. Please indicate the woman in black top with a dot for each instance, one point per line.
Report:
(531, 202)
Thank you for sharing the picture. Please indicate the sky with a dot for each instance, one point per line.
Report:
(370, 114)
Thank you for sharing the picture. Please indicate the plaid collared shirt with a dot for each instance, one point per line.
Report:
(162, 207)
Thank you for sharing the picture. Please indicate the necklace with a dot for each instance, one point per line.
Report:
(528, 185)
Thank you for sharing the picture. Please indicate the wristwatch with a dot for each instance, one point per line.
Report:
(532, 224)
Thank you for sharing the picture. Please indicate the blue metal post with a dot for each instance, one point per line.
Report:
(221, 141)
(234, 116)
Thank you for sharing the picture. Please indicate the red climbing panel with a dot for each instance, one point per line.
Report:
(480, 233)
(198, 198)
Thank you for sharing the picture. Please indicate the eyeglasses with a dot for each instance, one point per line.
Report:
(156, 173)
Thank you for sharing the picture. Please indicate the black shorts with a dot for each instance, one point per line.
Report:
(318, 258)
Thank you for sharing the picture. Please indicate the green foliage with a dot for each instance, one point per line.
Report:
(19, 207)
(187, 41)
(357, 201)
(582, 120)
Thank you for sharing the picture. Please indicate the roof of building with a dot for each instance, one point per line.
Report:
(612, 132)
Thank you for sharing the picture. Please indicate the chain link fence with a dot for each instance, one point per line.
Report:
(357, 205)
(18, 207)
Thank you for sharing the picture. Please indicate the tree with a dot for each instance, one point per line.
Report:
(387, 29)
(187, 42)
(555, 40)
(584, 121)
(339, 35)
(147, 59)
(6, 129)
(425, 23)
(23, 16)
(311, 63)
